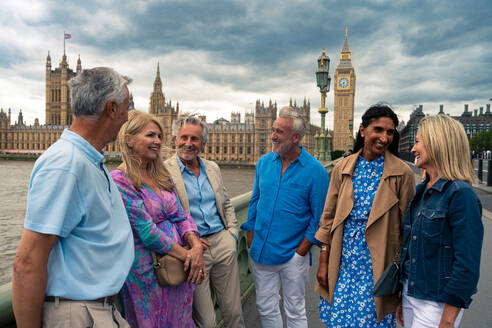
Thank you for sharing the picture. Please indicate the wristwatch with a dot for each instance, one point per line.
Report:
(324, 248)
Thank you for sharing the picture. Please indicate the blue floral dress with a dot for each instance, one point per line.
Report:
(353, 303)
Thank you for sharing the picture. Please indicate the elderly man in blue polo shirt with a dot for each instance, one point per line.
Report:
(287, 201)
(77, 246)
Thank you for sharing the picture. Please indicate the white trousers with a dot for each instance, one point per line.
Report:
(419, 313)
(293, 276)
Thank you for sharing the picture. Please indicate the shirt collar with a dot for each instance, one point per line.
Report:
(182, 167)
(364, 162)
(85, 147)
(302, 158)
(438, 185)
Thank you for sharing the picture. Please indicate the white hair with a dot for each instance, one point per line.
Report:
(298, 124)
(190, 119)
(91, 89)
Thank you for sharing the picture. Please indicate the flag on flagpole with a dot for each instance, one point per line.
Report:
(68, 36)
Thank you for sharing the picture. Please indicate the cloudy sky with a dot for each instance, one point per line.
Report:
(220, 56)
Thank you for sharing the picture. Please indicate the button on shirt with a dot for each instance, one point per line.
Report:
(286, 208)
(201, 196)
(72, 195)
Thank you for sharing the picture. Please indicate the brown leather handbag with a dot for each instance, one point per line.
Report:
(168, 269)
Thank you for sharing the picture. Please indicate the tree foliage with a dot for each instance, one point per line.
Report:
(336, 154)
(481, 141)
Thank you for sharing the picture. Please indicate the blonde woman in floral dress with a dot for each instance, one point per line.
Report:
(159, 223)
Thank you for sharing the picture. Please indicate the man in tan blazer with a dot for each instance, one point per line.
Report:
(202, 193)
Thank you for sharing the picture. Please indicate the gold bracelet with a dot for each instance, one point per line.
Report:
(324, 248)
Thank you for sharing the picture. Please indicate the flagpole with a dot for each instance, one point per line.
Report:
(64, 41)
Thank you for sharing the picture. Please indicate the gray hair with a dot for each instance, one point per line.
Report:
(91, 89)
(299, 124)
(190, 119)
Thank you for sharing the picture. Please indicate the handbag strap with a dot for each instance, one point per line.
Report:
(156, 263)
(396, 258)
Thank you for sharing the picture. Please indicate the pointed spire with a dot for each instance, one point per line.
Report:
(157, 81)
(132, 104)
(20, 118)
(64, 58)
(345, 44)
(290, 102)
(48, 61)
(79, 65)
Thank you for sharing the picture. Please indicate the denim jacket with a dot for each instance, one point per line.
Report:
(443, 242)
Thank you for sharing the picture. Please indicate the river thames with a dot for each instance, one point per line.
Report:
(14, 180)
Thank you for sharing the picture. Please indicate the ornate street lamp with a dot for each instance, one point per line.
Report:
(323, 80)
(351, 142)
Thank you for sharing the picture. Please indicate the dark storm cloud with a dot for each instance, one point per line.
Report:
(404, 52)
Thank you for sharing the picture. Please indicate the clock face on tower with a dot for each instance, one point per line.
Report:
(343, 82)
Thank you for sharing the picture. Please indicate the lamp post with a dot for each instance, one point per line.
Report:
(323, 80)
(351, 142)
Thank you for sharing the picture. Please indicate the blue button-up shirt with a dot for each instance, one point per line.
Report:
(442, 243)
(72, 195)
(201, 199)
(286, 208)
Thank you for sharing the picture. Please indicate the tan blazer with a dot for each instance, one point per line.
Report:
(222, 201)
(384, 227)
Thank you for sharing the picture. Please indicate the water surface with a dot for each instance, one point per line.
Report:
(14, 181)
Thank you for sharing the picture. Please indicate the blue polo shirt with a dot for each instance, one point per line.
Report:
(72, 195)
(201, 198)
(285, 209)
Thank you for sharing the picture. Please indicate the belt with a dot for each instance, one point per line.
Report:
(108, 299)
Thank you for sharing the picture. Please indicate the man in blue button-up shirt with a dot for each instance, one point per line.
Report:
(202, 193)
(287, 201)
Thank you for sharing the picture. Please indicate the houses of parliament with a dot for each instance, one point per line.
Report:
(238, 141)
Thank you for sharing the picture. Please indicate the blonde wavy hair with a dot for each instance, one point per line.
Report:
(447, 146)
(137, 121)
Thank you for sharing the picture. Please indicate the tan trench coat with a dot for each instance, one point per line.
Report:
(384, 227)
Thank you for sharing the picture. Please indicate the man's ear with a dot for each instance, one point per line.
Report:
(296, 138)
(110, 108)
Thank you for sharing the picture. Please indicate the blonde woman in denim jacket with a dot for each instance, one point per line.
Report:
(443, 230)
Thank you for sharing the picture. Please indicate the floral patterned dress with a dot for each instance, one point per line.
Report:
(353, 303)
(157, 222)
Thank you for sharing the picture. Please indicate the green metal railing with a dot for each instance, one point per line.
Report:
(240, 204)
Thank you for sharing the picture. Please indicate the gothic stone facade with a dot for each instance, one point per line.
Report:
(233, 142)
(21, 138)
(473, 123)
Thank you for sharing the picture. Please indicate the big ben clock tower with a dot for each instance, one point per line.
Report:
(344, 100)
